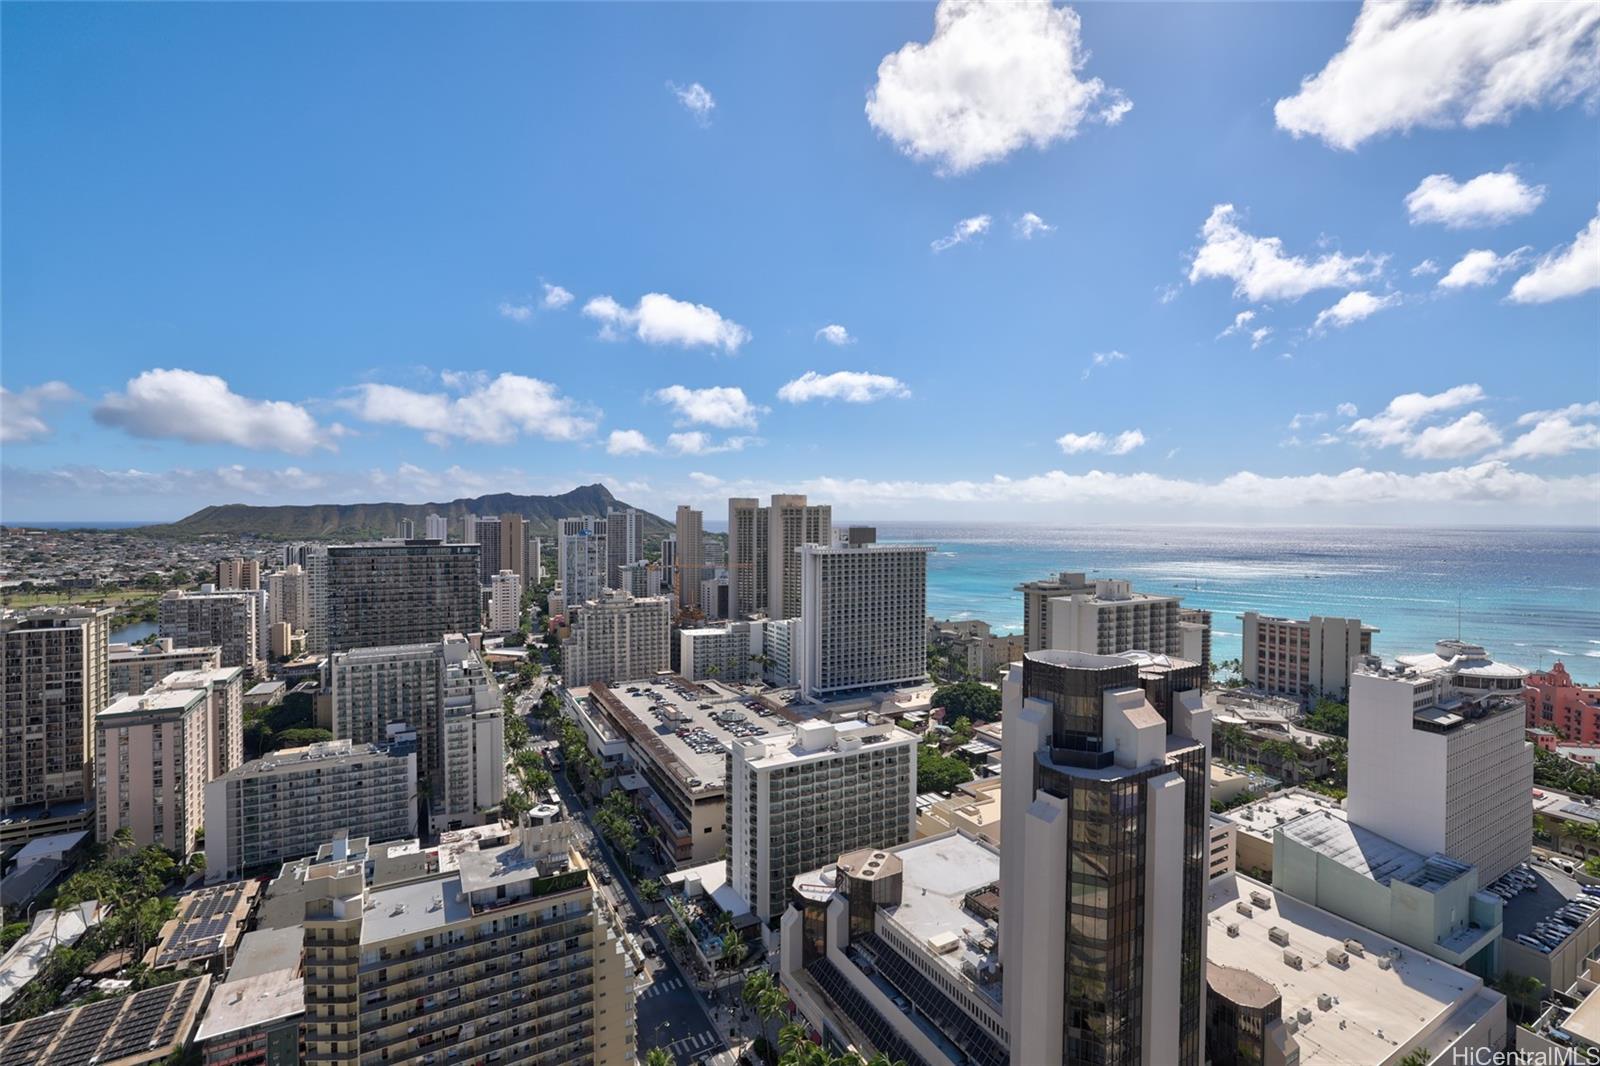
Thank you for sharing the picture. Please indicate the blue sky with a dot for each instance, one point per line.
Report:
(300, 253)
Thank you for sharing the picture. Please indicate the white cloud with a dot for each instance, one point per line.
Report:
(1555, 433)
(1572, 410)
(555, 297)
(1396, 423)
(1467, 435)
(628, 442)
(1446, 63)
(1121, 444)
(696, 99)
(991, 79)
(202, 409)
(1487, 200)
(1564, 272)
(516, 312)
(695, 442)
(725, 407)
(1029, 226)
(489, 411)
(21, 412)
(1424, 269)
(1241, 322)
(834, 334)
(851, 386)
(1346, 410)
(1258, 337)
(1480, 267)
(1300, 421)
(1259, 269)
(660, 319)
(1100, 359)
(1353, 307)
(709, 481)
(964, 231)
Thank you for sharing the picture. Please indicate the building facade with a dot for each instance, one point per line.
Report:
(863, 615)
(791, 524)
(1244, 1020)
(507, 958)
(233, 621)
(624, 543)
(237, 573)
(798, 801)
(53, 681)
(1302, 658)
(224, 691)
(401, 592)
(748, 557)
(1558, 703)
(1104, 832)
(286, 805)
(289, 597)
(690, 560)
(436, 527)
(505, 602)
(1439, 760)
(617, 637)
(152, 763)
(135, 668)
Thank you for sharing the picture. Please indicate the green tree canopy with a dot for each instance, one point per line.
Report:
(968, 699)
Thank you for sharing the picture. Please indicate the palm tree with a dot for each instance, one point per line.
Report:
(658, 1056)
(764, 996)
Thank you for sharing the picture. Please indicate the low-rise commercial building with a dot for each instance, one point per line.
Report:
(285, 805)
(1349, 994)
(205, 932)
(974, 809)
(143, 1027)
(135, 668)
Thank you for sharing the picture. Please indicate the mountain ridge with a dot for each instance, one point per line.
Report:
(327, 520)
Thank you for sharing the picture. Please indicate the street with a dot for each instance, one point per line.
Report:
(671, 1012)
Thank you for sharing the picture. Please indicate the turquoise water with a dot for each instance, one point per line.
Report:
(1530, 595)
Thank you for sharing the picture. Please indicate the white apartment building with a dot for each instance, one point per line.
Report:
(316, 567)
(582, 559)
(444, 694)
(791, 523)
(1438, 757)
(1112, 618)
(798, 801)
(289, 597)
(234, 621)
(505, 602)
(152, 763)
(436, 527)
(135, 668)
(863, 615)
(726, 653)
(624, 542)
(53, 683)
(224, 690)
(642, 578)
(286, 805)
(617, 637)
(779, 639)
(1302, 658)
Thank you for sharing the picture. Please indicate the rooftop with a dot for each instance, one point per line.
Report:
(208, 923)
(1260, 817)
(1551, 891)
(1329, 833)
(413, 909)
(1240, 986)
(1374, 1011)
(155, 701)
(250, 1002)
(265, 950)
(816, 740)
(143, 1027)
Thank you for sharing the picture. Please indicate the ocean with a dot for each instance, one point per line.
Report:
(1530, 595)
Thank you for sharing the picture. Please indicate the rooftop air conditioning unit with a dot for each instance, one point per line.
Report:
(1292, 958)
(1338, 956)
(1354, 947)
(1233, 928)
(1324, 1001)
(1260, 899)
(1303, 1014)
(1278, 935)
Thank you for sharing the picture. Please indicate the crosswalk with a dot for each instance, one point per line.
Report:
(658, 987)
(687, 1047)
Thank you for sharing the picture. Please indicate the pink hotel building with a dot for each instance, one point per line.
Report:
(1557, 702)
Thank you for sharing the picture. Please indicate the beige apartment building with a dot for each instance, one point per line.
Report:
(53, 681)
(1302, 658)
(289, 597)
(617, 637)
(237, 573)
(135, 668)
(232, 620)
(224, 689)
(151, 767)
(690, 560)
(507, 958)
(748, 559)
(792, 523)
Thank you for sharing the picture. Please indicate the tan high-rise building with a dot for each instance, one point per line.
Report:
(513, 546)
(747, 557)
(791, 523)
(232, 619)
(237, 573)
(617, 638)
(224, 689)
(151, 767)
(690, 559)
(1302, 658)
(507, 957)
(136, 668)
(53, 681)
(289, 597)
